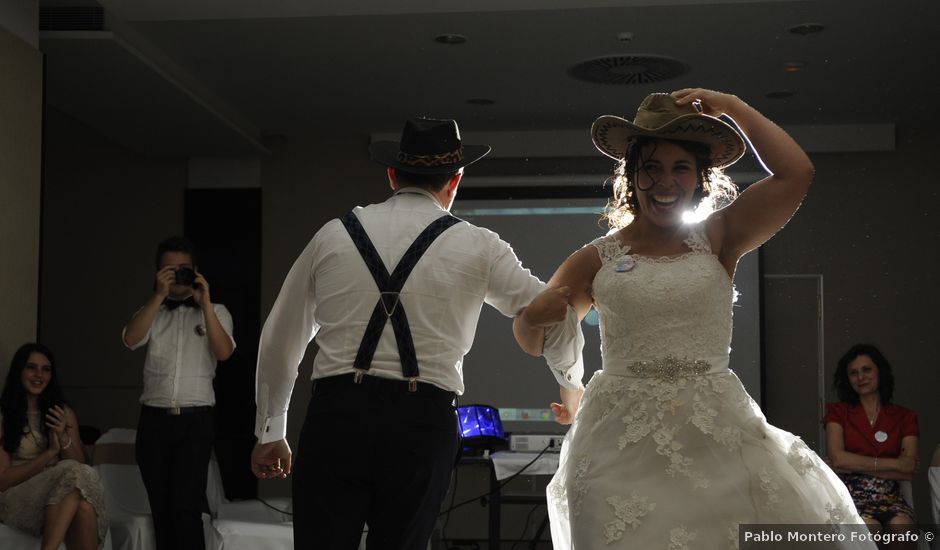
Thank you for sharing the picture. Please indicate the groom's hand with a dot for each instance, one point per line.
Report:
(548, 308)
(271, 460)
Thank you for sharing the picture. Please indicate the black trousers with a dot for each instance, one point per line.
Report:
(173, 454)
(372, 453)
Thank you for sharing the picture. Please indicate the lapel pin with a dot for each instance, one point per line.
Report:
(625, 264)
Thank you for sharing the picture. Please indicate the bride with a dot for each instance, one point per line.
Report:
(668, 451)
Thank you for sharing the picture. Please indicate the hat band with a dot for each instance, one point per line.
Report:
(440, 159)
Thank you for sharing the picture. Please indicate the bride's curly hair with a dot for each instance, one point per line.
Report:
(713, 191)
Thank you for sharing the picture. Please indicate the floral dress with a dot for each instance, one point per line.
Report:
(23, 506)
(874, 497)
(668, 451)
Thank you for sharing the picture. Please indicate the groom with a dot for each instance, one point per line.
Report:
(392, 292)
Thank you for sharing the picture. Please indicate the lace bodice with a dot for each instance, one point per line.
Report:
(33, 443)
(654, 307)
(667, 449)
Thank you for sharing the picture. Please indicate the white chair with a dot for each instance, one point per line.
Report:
(233, 525)
(278, 510)
(11, 539)
(933, 476)
(907, 493)
(125, 494)
(126, 497)
(247, 524)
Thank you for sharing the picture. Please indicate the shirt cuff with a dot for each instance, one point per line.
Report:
(272, 428)
(570, 378)
(564, 343)
(135, 346)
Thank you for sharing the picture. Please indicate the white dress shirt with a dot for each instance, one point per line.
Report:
(179, 366)
(330, 294)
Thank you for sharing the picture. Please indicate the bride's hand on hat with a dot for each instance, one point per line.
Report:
(711, 102)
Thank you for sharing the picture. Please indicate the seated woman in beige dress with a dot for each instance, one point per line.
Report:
(46, 489)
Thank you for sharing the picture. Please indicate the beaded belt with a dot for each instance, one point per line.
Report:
(669, 368)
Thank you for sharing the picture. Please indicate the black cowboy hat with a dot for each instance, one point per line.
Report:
(427, 146)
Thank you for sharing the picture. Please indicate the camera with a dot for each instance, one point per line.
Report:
(185, 276)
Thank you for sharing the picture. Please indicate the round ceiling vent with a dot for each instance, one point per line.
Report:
(628, 69)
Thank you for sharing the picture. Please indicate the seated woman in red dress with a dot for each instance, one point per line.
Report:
(871, 442)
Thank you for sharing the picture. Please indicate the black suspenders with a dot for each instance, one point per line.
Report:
(388, 306)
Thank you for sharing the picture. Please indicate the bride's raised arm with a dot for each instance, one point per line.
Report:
(766, 206)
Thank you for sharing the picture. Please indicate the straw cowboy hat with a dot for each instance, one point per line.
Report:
(659, 117)
(427, 146)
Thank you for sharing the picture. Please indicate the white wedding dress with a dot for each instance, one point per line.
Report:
(668, 451)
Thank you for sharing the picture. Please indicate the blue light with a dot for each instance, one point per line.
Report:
(480, 421)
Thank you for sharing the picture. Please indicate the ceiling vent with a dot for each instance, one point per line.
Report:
(71, 18)
(628, 69)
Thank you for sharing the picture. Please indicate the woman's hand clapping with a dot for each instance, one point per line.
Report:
(57, 422)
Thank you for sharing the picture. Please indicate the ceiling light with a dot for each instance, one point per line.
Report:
(793, 66)
(625, 36)
(806, 28)
(451, 39)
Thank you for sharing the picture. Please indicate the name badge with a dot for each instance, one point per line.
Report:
(625, 264)
(881, 436)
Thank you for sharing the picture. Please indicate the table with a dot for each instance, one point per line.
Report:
(508, 463)
(503, 465)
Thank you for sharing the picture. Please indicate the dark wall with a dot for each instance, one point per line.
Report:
(104, 210)
(225, 225)
(869, 226)
(21, 105)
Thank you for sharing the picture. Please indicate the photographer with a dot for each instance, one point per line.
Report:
(186, 335)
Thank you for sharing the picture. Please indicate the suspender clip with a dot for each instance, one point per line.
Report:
(412, 384)
(390, 302)
(357, 376)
